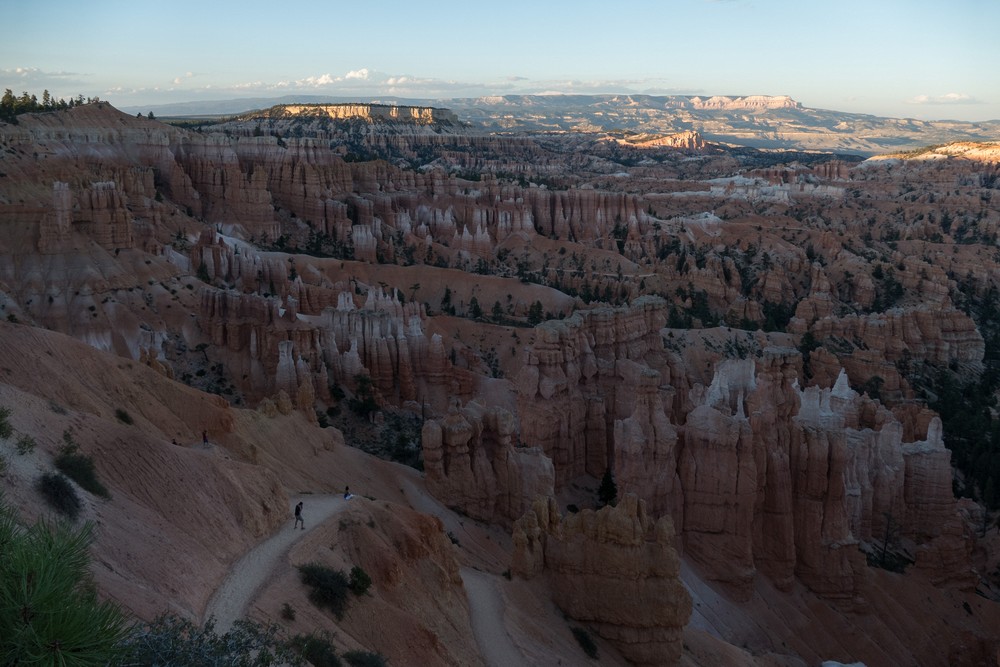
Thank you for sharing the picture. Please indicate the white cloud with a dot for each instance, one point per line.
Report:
(947, 98)
(33, 75)
(370, 83)
(317, 81)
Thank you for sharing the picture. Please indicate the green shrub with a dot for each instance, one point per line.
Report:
(25, 445)
(364, 659)
(49, 611)
(317, 649)
(329, 587)
(6, 430)
(288, 612)
(123, 416)
(172, 641)
(59, 494)
(79, 468)
(360, 581)
(3, 465)
(586, 642)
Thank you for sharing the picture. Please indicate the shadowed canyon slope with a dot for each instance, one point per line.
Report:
(787, 363)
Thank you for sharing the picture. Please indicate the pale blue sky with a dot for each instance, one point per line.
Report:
(906, 58)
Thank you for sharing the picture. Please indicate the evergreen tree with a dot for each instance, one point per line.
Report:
(535, 313)
(607, 492)
(49, 611)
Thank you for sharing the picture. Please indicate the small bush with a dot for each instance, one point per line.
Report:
(586, 642)
(25, 445)
(171, 640)
(59, 494)
(288, 612)
(3, 465)
(364, 659)
(317, 649)
(360, 581)
(123, 416)
(329, 587)
(6, 430)
(80, 468)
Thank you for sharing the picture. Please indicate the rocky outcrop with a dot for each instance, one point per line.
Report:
(690, 141)
(473, 464)
(937, 335)
(576, 378)
(615, 570)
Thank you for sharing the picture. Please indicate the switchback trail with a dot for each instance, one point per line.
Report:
(251, 572)
(486, 615)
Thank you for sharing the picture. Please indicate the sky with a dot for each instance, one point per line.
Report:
(921, 59)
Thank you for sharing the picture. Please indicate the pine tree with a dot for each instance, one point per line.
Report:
(535, 313)
(49, 611)
(607, 492)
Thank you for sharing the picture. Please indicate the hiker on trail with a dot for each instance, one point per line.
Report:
(347, 492)
(298, 517)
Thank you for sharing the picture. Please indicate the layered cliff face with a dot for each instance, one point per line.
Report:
(473, 463)
(578, 377)
(369, 112)
(615, 570)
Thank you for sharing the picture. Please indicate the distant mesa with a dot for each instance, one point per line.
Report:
(369, 112)
(722, 102)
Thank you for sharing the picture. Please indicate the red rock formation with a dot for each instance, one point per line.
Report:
(473, 464)
(570, 383)
(615, 570)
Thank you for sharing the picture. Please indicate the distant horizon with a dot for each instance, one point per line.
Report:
(908, 59)
(314, 98)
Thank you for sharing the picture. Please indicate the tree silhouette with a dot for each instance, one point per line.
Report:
(607, 492)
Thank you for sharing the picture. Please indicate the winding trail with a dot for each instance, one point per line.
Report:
(249, 574)
(246, 576)
(486, 614)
